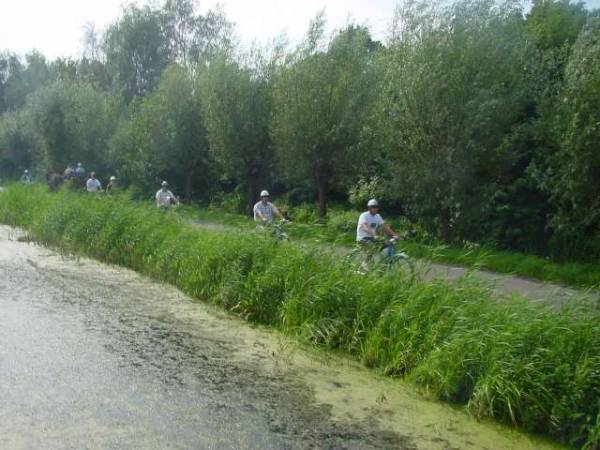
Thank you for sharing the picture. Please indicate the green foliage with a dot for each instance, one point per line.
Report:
(238, 109)
(507, 358)
(166, 138)
(366, 189)
(20, 78)
(321, 101)
(136, 50)
(18, 144)
(572, 178)
(71, 123)
(145, 40)
(555, 23)
(451, 98)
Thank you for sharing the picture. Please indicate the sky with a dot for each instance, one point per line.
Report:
(55, 27)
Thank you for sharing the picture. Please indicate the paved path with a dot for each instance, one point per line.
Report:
(554, 294)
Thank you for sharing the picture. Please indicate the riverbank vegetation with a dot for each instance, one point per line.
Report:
(507, 359)
(476, 120)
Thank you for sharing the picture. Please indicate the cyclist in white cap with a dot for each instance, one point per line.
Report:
(164, 197)
(111, 187)
(26, 178)
(370, 223)
(264, 210)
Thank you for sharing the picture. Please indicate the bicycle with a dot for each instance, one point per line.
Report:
(380, 254)
(275, 229)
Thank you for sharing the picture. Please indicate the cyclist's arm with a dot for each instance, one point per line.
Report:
(367, 229)
(259, 215)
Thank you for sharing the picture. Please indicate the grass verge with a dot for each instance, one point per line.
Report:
(507, 359)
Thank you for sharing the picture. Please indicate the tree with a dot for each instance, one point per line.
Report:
(19, 148)
(450, 100)
(573, 172)
(238, 108)
(194, 38)
(321, 100)
(137, 50)
(18, 79)
(73, 123)
(555, 23)
(166, 137)
(92, 48)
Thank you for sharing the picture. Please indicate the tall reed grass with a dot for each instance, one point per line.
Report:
(341, 225)
(503, 358)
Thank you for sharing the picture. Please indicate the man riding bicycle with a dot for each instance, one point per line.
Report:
(26, 178)
(264, 210)
(370, 223)
(165, 198)
(264, 213)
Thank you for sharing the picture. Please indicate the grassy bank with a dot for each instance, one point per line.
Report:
(509, 360)
(341, 227)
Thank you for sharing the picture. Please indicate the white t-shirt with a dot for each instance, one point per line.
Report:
(164, 197)
(375, 222)
(93, 185)
(267, 210)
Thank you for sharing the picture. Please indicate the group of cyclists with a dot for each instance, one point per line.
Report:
(371, 229)
(375, 238)
(91, 182)
(77, 177)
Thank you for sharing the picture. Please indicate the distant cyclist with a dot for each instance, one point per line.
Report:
(265, 211)
(80, 171)
(111, 187)
(371, 224)
(165, 198)
(26, 178)
(69, 173)
(93, 184)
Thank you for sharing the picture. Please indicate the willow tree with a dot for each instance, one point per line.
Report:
(451, 98)
(573, 173)
(166, 137)
(72, 123)
(238, 104)
(321, 99)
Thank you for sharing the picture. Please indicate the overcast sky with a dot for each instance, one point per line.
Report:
(55, 27)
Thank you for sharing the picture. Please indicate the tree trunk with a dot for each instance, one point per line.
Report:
(322, 182)
(252, 191)
(445, 225)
